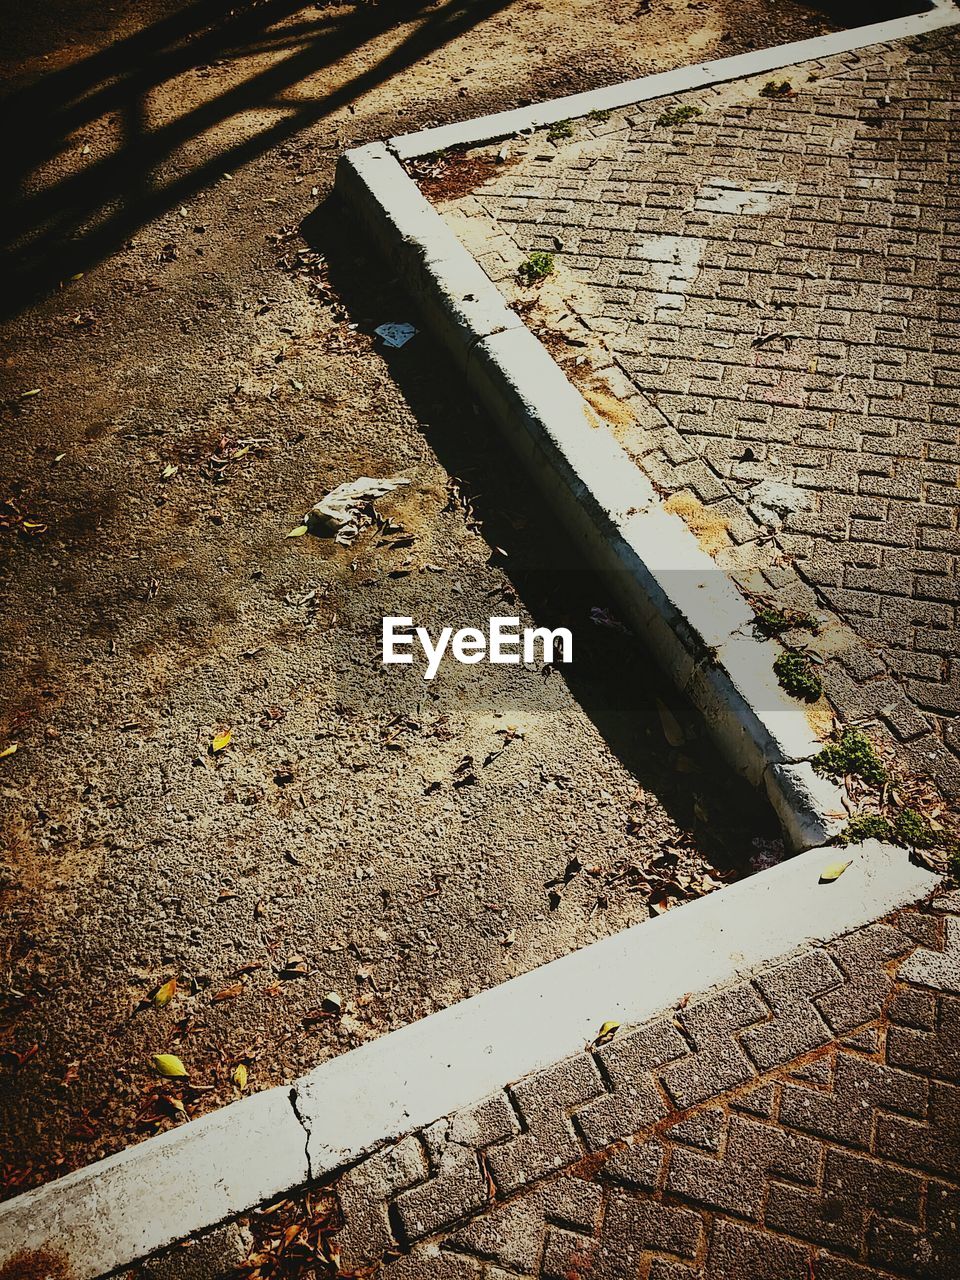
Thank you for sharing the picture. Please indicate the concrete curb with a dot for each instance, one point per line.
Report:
(126, 1207)
(690, 613)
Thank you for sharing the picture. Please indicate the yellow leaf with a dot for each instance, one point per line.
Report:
(163, 995)
(239, 1076)
(169, 471)
(25, 395)
(169, 1065)
(221, 740)
(298, 532)
(833, 872)
(606, 1032)
(10, 750)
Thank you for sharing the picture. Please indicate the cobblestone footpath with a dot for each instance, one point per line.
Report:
(804, 1125)
(767, 277)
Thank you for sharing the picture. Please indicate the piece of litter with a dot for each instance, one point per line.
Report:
(395, 335)
(348, 508)
(604, 618)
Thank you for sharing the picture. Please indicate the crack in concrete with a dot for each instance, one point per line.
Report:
(305, 1126)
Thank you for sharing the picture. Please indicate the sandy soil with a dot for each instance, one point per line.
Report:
(186, 296)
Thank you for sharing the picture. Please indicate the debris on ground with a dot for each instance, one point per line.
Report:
(349, 508)
(395, 335)
(601, 617)
(767, 853)
(292, 1239)
(778, 89)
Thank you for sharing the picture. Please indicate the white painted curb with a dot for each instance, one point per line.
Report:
(123, 1208)
(503, 124)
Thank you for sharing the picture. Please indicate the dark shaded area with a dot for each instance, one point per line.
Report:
(613, 676)
(856, 13)
(62, 228)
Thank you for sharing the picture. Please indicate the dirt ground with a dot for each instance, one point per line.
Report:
(188, 365)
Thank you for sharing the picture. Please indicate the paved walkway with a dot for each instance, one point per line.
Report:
(766, 277)
(800, 1126)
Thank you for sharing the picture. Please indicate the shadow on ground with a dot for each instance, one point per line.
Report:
(613, 677)
(62, 227)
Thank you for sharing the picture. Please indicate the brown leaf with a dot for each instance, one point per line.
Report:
(670, 725)
(227, 993)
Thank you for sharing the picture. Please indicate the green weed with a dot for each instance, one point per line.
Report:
(797, 675)
(537, 267)
(855, 754)
(677, 115)
(562, 129)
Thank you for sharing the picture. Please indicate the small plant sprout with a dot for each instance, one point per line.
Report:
(677, 115)
(797, 675)
(536, 268)
(771, 621)
(562, 129)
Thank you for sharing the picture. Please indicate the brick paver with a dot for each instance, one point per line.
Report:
(804, 1125)
(773, 288)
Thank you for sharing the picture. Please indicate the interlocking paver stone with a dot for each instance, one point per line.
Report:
(772, 289)
(797, 1027)
(548, 1141)
(842, 1160)
(940, 969)
(737, 1183)
(847, 1114)
(861, 956)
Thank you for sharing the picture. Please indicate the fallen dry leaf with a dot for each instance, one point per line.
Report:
(169, 1066)
(239, 1076)
(295, 967)
(227, 993)
(833, 872)
(221, 741)
(606, 1032)
(670, 725)
(163, 995)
